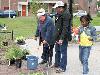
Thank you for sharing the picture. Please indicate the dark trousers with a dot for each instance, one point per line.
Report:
(47, 52)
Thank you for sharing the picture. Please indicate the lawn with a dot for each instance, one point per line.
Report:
(26, 26)
(22, 26)
(95, 21)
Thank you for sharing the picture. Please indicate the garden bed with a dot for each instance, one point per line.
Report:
(12, 70)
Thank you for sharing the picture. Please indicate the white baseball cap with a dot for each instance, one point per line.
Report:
(58, 3)
(40, 12)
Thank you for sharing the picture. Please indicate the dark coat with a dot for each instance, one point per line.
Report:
(62, 23)
(47, 30)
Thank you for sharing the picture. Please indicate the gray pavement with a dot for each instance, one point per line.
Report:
(97, 28)
(74, 67)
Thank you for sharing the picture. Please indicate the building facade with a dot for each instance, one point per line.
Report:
(22, 6)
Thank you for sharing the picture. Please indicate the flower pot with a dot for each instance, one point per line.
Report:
(20, 42)
(11, 62)
(18, 63)
(5, 43)
(24, 57)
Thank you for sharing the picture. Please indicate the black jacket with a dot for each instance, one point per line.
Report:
(62, 23)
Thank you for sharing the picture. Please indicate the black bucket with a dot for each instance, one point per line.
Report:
(18, 63)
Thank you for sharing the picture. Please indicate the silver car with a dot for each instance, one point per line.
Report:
(80, 13)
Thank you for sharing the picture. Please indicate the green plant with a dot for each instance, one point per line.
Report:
(21, 38)
(98, 3)
(9, 54)
(25, 52)
(98, 14)
(14, 52)
(18, 53)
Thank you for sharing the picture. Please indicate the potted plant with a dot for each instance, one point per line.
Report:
(5, 43)
(9, 55)
(20, 40)
(15, 53)
(18, 54)
(25, 52)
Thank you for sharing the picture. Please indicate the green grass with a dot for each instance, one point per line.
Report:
(22, 26)
(26, 26)
(95, 21)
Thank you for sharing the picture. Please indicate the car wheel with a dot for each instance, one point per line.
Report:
(74, 15)
(13, 16)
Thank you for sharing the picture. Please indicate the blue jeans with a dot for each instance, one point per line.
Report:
(61, 55)
(84, 53)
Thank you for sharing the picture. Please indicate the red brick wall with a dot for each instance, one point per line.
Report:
(13, 4)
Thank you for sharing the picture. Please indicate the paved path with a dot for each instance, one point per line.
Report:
(74, 67)
(97, 28)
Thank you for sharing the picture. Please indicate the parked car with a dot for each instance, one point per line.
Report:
(1, 13)
(6, 13)
(80, 13)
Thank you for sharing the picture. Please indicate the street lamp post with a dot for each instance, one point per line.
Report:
(0, 4)
(71, 10)
(9, 8)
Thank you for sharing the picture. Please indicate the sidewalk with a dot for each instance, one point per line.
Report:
(74, 67)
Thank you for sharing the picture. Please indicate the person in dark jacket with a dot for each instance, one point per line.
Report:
(45, 30)
(62, 22)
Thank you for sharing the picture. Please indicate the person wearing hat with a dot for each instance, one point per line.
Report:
(45, 30)
(62, 22)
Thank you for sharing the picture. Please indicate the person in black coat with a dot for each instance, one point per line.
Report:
(61, 36)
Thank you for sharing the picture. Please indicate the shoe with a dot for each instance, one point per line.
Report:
(59, 70)
(42, 62)
(85, 73)
(50, 63)
(54, 66)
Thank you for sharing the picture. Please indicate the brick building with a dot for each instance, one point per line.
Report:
(21, 6)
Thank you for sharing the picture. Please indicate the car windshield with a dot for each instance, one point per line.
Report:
(1, 11)
(7, 11)
(80, 11)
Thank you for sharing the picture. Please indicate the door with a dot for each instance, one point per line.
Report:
(23, 10)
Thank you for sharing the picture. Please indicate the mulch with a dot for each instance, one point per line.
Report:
(12, 70)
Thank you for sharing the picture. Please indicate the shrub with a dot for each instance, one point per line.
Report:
(14, 52)
(98, 14)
